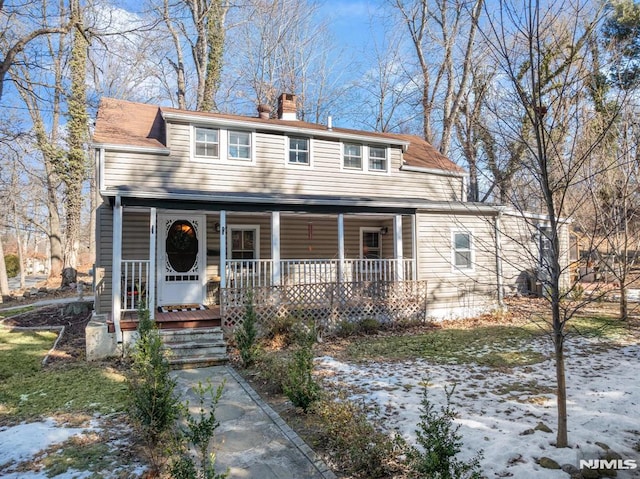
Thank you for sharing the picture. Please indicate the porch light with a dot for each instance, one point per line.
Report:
(217, 227)
(384, 230)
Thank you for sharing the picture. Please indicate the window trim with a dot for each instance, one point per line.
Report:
(386, 159)
(243, 227)
(251, 145)
(370, 229)
(194, 142)
(223, 146)
(343, 156)
(365, 150)
(287, 145)
(472, 256)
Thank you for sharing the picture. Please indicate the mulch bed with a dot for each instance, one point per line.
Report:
(71, 346)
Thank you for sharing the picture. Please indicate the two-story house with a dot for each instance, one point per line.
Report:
(201, 211)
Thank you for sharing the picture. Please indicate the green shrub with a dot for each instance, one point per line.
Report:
(369, 325)
(440, 443)
(196, 435)
(299, 385)
(346, 328)
(153, 402)
(246, 335)
(354, 442)
(12, 263)
(271, 368)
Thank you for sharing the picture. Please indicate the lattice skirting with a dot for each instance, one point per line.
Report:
(328, 304)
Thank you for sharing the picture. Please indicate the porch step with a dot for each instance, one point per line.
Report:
(195, 347)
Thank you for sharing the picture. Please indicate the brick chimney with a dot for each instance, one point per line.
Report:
(287, 108)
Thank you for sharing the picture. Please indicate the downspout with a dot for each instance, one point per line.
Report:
(499, 272)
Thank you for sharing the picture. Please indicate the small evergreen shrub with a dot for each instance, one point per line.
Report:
(153, 402)
(440, 443)
(246, 335)
(193, 459)
(12, 263)
(299, 385)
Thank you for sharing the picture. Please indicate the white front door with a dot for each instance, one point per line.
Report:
(181, 259)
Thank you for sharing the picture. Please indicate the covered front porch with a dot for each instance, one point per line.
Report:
(188, 259)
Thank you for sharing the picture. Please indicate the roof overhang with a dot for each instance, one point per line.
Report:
(435, 171)
(156, 150)
(262, 202)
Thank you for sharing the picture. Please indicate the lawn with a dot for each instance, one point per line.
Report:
(504, 379)
(59, 419)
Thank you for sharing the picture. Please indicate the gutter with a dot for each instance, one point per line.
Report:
(435, 171)
(157, 150)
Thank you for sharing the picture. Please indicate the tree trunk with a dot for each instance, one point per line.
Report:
(558, 340)
(624, 306)
(4, 281)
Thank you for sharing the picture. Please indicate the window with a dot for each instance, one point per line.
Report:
(371, 244)
(240, 145)
(462, 250)
(352, 156)
(377, 158)
(207, 143)
(243, 243)
(298, 151)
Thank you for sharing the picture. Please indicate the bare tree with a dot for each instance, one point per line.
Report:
(543, 52)
(200, 24)
(20, 25)
(437, 29)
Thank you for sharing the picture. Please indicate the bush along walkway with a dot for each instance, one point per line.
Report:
(251, 440)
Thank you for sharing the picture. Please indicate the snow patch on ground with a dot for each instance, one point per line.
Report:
(496, 406)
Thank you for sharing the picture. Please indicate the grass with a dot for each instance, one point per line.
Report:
(14, 312)
(28, 391)
(492, 346)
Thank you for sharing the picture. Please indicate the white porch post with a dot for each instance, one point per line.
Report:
(275, 248)
(397, 247)
(414, 248)
(151, 280)
(116, 268)
(223, 249)
(340, 247)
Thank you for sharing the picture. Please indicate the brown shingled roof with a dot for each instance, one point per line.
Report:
(121, 122)
(139, 124)
(424, 155)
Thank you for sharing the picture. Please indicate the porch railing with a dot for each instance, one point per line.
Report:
(259, 273)
(135, 278)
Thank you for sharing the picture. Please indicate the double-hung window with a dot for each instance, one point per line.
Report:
(244, 242)
(207, 144)
(462, 250)
(352, 156)
(377, 158)
(299, 153)
(239, 145)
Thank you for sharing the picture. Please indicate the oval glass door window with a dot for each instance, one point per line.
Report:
(182, 246)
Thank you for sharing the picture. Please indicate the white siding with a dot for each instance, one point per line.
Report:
(270, 174)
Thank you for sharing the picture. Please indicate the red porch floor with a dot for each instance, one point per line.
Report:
(204, 318)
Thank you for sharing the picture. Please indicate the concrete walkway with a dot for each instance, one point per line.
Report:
(252, 440)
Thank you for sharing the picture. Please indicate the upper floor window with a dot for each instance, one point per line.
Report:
(299, 153)
(240, 145)
(377, 158)
(207, 143)
(352, 156)
(462, 250)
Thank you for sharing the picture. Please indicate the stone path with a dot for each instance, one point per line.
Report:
(252, 440)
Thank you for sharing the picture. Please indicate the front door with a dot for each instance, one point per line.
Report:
(181, 259)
